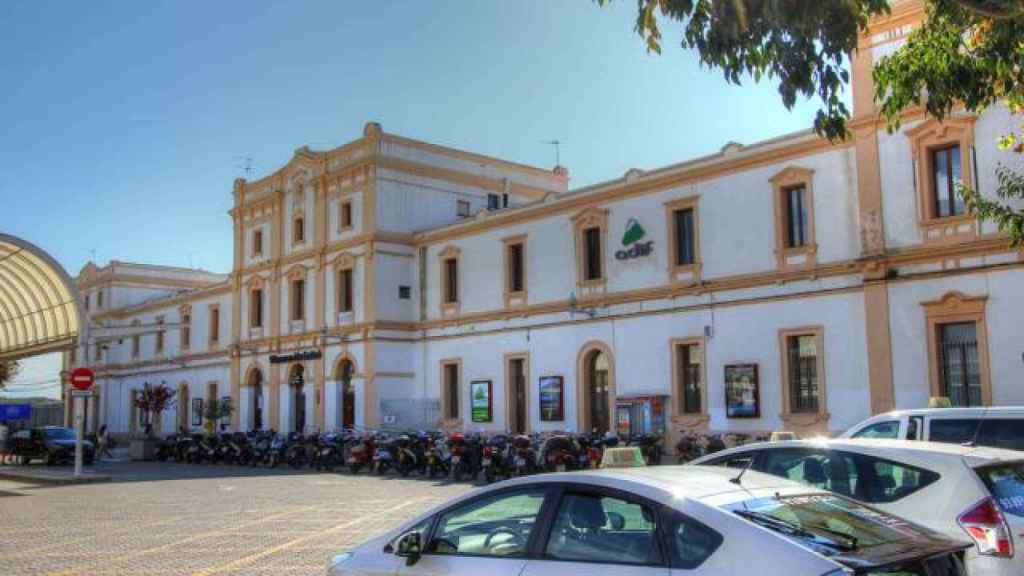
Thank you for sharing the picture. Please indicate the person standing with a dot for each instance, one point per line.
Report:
(103, 439)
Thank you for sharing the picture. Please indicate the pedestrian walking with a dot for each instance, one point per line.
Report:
(103, 439)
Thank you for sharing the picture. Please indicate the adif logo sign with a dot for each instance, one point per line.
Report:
(633, 245)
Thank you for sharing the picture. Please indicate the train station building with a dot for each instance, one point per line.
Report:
(793, 284)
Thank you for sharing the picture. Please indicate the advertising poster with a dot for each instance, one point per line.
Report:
(551, 399)
(742, 391)
(480, 400)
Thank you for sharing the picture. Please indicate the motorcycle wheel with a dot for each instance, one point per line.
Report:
(274, 461)
(457, 474)
(489, 474)
(354, 467)
(244, 459)
(404, 471)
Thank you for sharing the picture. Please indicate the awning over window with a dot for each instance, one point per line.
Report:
(39, 309)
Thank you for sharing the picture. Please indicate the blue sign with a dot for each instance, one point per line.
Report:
(15, 412)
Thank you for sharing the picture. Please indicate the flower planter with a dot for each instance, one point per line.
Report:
(143, 448)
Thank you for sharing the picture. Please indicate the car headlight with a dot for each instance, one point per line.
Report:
(339, 559)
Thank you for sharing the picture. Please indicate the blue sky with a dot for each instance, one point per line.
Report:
(124, 122)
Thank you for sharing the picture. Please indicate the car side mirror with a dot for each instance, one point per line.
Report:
(410, 547)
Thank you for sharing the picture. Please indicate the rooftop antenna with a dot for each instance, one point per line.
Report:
(92, 255)
(245, 164)
(558, 151)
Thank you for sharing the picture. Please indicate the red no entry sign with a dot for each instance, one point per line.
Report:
(82, 378)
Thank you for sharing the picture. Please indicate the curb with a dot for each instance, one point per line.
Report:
(55, 480)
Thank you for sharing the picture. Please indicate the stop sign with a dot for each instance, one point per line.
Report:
(82, 378)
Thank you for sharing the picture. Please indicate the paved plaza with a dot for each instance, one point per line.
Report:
(163, 519)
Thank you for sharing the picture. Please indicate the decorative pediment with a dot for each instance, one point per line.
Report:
(344, 261)
(88, 272)
(450, 252)
(792, 175)
(590, 217)
(297, 272)
(185, 309)
(934, 131)
(255, 281)
(955, 303)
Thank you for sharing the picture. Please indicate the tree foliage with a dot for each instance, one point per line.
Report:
(968, 53)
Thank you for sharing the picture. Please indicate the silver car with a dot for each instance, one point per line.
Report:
(696, 521)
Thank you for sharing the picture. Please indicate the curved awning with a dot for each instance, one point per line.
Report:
(39, 304)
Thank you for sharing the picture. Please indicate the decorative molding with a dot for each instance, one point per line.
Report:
(956, 307)
(804, 423)
(925, 138)
(583, 423)
(787, 257)
(686, 274)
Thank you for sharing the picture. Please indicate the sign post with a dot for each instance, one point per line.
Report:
(81, 380)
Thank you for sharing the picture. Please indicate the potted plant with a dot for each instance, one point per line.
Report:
(217, 412)
(151, 402)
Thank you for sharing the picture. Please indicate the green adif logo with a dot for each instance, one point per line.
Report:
(632, 247)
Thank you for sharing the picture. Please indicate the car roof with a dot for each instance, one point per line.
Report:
(670, 482)
(891, 449)
(974, 412)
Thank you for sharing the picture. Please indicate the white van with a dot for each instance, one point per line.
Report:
(1001, 427)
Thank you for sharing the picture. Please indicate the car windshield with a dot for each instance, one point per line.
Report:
(1006, 483)
(828, 523)
(60, 434)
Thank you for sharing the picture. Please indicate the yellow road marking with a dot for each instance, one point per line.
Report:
(193, 538)
(292, 543)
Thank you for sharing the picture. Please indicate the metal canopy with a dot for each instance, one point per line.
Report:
(39, 304)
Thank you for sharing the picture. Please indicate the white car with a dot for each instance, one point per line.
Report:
(695, 521)
(1001, 427)
(960, 491)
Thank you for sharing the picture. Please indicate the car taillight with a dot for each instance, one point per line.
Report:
(985, 524)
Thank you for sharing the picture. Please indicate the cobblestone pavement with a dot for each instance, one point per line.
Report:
(163, 519)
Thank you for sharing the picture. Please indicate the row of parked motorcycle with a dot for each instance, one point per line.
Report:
(431, 454)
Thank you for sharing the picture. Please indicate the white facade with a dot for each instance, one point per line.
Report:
(860, 304)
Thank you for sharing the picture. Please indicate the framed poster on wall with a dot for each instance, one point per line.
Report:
(197, 411)
(480, 401)
(552, 399)
(742, 391)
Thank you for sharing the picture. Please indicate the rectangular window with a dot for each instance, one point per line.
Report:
(796, 216)
(136, 346)
(959, 367)
(405, 292)
(298, 299)
(98, 353)
(592, 255)
(493, 202)
(160, 336)
(946, 176)
(214, 324)
(186, 331)
(462, 208)
(299, 230)
(99, 299)
(803, 373)
(86, 302)
(346, 215)
(256, 308)
(451, 278)
(451, 390)
(345, 290)
(690, 376)
(516, 281)
(257, 243)
(685, 245)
